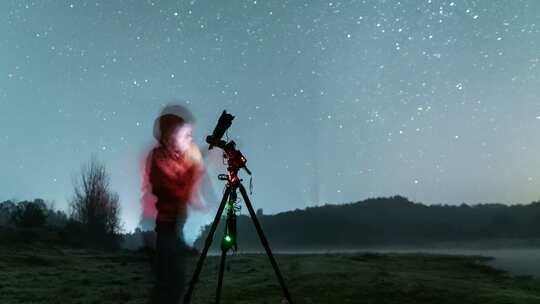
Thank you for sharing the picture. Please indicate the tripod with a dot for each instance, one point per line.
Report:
(229, 240)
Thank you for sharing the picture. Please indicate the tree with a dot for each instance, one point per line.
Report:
(30, 214)
(94, 205)
(6, 211)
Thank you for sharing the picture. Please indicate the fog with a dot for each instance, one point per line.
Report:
(516, 261)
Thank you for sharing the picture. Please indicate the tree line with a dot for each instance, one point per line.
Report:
(30, 214)
(93, 219)
(385, 221)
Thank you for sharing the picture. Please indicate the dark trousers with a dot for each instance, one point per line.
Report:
(169, 266)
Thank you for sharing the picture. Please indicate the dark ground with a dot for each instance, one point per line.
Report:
(32, 273)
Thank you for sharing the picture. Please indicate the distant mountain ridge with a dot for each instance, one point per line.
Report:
(384, 221)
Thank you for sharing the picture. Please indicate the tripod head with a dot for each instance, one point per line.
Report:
(235, 158)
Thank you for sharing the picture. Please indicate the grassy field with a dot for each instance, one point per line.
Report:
(40, 274)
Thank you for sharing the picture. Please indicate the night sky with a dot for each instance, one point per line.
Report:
(335, 102)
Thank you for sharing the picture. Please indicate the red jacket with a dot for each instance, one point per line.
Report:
(173, 178)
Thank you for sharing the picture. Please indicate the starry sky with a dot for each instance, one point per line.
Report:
(335, 101)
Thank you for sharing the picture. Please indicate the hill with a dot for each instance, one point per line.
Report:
(386, 221)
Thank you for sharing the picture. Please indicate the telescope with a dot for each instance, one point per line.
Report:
(224, 122)
(235, 161)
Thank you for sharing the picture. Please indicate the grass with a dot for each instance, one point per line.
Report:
(46, 274)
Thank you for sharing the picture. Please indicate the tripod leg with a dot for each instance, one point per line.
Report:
(265, 243)
(220, 278)
(208, 242)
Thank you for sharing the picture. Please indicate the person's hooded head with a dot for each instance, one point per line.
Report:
(173, 128)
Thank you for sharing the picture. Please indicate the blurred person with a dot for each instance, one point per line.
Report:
(173, 173)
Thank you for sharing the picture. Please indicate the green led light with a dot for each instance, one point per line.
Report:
(228, 239)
